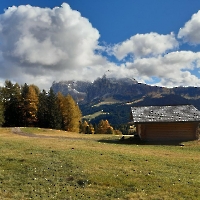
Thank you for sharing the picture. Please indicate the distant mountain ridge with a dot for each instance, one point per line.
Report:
(85, 91)
(124, 89)
(113, 97)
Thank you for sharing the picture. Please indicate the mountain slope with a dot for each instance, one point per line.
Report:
(110, 98)
(124, 89)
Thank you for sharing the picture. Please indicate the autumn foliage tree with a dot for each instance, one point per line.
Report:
(87, 128)
(104, 127)
(31, 108)
(74, 115)
(71, 114)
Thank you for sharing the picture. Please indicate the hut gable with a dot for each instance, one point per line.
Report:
(166, 122)
(180, 113)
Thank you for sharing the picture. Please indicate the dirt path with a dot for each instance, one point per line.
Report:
(18, 131)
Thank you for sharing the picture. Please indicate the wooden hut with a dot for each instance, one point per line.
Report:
(166, 123)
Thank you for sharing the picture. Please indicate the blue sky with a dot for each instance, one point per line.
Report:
(155, 42)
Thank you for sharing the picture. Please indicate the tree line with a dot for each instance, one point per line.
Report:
(26, 105)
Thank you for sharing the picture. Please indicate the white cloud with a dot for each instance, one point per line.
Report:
(173, 69)
(141, 45)
(46, 44)
(190, 32)
(40, 45)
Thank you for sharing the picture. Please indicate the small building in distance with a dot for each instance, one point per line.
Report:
(166, 123)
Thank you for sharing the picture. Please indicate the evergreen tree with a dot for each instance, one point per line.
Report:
(43, 109)
(11, 99)
(24, 104)
(95, 128)
(54, 113)
(1, 112)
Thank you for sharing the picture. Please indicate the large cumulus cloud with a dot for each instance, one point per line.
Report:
(43, 42)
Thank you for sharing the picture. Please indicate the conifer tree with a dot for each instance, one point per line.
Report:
(101, 128)
(32, 106)
(95, 128)
(30, 102)
(1, 112)
(42, 114)
(24, 104)
(54, 113)
(61, 102)
(11, 99)
(73, 115)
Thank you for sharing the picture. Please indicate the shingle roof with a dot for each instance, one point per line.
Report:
(180, 113)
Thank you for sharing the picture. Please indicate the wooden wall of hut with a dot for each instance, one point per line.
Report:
(168, 131)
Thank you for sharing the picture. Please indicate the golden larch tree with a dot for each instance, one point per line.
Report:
(71, 114)
(31, 107)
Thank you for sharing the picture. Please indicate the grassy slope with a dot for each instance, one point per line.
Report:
(96, 114)
(74, 166)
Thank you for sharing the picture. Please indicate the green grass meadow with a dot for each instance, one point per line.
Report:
(51, 164)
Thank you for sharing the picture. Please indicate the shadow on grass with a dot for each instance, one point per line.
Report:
(137, 141)
(128, 141)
